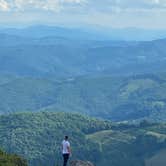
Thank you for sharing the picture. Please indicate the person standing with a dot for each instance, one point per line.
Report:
(66, 150)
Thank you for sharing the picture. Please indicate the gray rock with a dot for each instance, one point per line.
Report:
(80, 163)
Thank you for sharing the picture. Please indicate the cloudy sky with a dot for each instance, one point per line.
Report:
(104, 13)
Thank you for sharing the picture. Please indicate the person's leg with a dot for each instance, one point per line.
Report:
(65, 159)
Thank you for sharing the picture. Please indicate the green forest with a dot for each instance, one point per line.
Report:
(37, 137)
(115, 98)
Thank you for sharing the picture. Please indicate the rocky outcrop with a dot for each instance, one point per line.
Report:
(11, 160)
(80, 163)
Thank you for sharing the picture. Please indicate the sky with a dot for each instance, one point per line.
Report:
(104, 13)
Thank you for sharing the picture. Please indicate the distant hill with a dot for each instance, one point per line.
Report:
(63, 56)
(114, 98)
(41, 31)
(11, 160)
(128, 34)
(38, 136)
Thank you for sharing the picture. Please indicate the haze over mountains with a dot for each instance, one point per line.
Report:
(50, 77)
(62, 69)
(69, 52)
(127, 34)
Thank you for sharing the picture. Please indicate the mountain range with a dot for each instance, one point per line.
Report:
(49, 68)
(64, 56)
(96, 32)
(100, 87)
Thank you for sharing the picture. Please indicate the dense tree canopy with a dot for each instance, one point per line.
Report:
(37, 137)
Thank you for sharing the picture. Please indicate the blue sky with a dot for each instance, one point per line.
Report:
(103, 13)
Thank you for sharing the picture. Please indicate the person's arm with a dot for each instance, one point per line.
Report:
(69, 148)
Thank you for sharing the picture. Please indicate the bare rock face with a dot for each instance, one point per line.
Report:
(80, 163)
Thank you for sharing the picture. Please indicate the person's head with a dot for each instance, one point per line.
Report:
(66, 137)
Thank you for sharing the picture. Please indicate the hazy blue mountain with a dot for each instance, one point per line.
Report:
(44, 31)
(134, 34)
(51, 70)
(127, 34)
(62, 56)
(27, 63)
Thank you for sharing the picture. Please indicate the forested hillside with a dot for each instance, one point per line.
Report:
(38, 136)
(114, 98)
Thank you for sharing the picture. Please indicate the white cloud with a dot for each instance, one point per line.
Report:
(48, 5)
(114, 13)
(127, 4)
(4, 5)
(23, 5)
(84, 5)
(73, 1)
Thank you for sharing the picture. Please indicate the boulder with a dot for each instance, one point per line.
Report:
(80, 163)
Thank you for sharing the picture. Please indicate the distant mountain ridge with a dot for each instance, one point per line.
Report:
(44, 31)
(125, 34)
(62, 56)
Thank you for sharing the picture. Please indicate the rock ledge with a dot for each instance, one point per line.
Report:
(80, 163)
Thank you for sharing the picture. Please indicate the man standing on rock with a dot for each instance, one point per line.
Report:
(66, 150)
